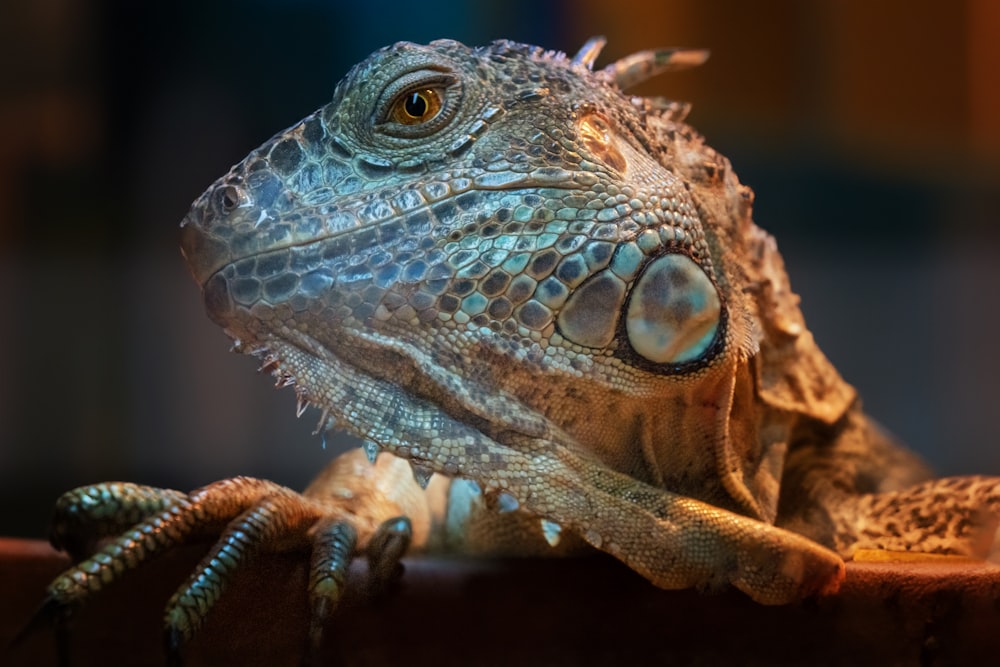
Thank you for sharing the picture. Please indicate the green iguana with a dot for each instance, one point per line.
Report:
(544, 307)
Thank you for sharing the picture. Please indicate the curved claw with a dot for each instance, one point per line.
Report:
(386, 548)
(173, 640)
(50, 614)
(333, 549)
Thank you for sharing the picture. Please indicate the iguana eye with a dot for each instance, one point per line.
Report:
(417, 107)
(418, 104)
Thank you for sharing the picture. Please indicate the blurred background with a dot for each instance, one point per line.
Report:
(869, 130)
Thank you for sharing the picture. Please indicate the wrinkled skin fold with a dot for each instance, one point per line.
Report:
(545, 308)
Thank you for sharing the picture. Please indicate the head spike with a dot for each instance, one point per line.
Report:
(301, 405)
(588, 52)
(371, 450)
(638, 67)
(551, 531)
(506, 503)
(269, 363)
(421, 474)
(325, 423)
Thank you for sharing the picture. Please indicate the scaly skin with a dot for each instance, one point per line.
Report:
(492, 264)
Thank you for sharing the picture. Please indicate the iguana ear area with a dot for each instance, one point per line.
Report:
(673, 312)
(597, 138)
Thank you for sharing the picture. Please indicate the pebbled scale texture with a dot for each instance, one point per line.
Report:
(494, 264)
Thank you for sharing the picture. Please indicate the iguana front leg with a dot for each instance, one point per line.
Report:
(855, 489)
(674, 541)
(495, 264)
(355, 507)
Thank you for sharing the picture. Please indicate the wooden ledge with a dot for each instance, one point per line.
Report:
(526, 612)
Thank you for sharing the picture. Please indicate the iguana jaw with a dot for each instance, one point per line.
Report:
(539, 250)
(391, 396)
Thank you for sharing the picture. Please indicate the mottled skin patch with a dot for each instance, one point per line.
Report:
(425, 285)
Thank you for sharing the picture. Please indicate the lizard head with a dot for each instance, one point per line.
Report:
(491, 246)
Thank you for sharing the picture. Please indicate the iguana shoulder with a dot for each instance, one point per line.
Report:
(496, 267)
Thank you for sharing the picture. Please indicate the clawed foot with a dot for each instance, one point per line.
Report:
(244, 516)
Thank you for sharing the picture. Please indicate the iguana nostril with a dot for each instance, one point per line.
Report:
(230, 197)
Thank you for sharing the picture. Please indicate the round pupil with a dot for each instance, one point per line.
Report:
(230, 197)
(416, 105)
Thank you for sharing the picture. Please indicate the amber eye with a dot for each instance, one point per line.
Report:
(417, 107)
